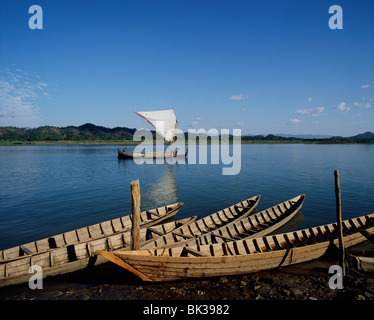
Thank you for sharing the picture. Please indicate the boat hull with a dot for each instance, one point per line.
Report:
(206, 225)
(240, 257)
(362, 263)
(245, 225)
(76, 249)
(149, 155)
(78, 256)
(255, 225)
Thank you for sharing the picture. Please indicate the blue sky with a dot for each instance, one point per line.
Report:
(261, 66)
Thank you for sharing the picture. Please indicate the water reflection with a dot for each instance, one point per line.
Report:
(38, 197)
(163, 190)
(293, 224)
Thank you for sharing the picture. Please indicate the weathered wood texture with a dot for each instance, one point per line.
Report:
(206, 225)
(339, 221)
(232, 223)
(96, 231)
(244, 256)
(77, 256)
(361, 263)
(135, 198)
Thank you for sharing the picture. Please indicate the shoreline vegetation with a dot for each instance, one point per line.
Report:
(130, 142)
(90, 134)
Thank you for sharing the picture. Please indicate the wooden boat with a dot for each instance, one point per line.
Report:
(209, 223)
(362, 263)
(96, 231)
(226, 225)
(359, 262)
(79, 254)
(206, 225)
(242, 256)
(165, 123)
(123, 155)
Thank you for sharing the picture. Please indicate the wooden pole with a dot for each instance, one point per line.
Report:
(135, 230)
(339, 221)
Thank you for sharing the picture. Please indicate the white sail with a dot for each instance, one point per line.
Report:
(163, 121)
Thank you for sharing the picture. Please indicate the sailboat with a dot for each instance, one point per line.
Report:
(164, 122)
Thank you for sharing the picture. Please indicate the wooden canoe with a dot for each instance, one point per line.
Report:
(205, 231)
(362, 263)
(148, 155)
(359, 262)
(242, 256)
(206, 225)
(96, 231)
(80, 255)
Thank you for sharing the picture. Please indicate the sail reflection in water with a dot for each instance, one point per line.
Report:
(164, 189)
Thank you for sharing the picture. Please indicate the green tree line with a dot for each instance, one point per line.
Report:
(48, 133)
(91, 132)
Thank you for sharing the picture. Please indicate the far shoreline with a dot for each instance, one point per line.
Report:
(131, 142)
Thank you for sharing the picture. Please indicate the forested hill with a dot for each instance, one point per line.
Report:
(367, 137)
(91, 132)
(87, 131)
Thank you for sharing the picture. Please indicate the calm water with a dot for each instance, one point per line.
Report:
(45, 190)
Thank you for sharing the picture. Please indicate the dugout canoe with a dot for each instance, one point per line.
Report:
(362, 263)
(96, 231)
(78, 256)
(359, 262)
(206, 225)
(240, 257)
(208, 231)
(149, 155)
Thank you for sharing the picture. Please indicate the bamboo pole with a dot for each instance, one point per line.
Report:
(339, 221)
(135, 230)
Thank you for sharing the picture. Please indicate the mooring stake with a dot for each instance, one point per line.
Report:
(135, 230)
(339, 221)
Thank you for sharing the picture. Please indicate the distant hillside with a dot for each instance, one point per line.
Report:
(87, 131)
(366, 135)
(269, 137)
(303, 136)
(91, 132)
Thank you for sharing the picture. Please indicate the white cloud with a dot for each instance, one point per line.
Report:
(18, 97)
(240, 124)
(310, 99)
(239, 97)
(365, 86)
(196, 122)
(311, 112)
(294, 121)
(362, 105)
(342, 106)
